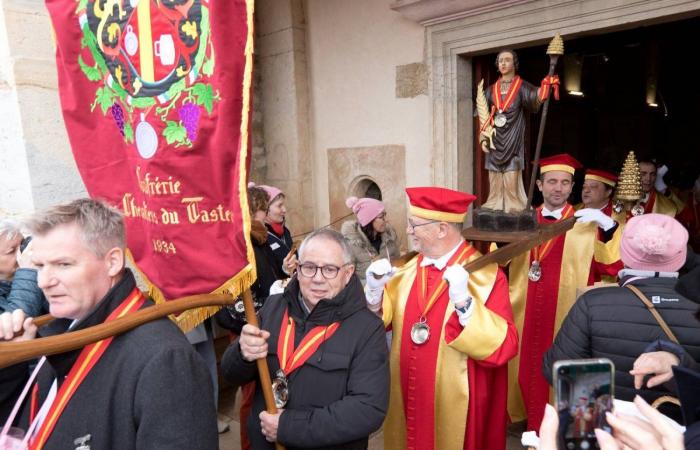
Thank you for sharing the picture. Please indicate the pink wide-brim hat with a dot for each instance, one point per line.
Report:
(654, 242)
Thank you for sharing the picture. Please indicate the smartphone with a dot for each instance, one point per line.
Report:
(24, 243)
(584, 390)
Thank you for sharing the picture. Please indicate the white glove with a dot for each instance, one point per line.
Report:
(595, 215)
(458, 278)
(379, 273)
(659, 184)
(377, 276)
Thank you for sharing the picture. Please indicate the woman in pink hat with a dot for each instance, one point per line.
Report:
(278, 236)
(369, 235)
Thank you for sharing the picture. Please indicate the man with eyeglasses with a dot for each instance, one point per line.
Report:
(453, 333)
(326, 353)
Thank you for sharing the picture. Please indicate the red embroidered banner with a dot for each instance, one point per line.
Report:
(156, 100)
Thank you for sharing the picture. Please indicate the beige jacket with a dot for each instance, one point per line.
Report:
(362, 250)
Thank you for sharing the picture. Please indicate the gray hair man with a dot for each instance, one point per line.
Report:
(123, 392)
(326, 353)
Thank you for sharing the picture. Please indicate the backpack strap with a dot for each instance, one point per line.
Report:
(654, 312)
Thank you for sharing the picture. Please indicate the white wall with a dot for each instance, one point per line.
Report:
(353, 48)
(38, 166)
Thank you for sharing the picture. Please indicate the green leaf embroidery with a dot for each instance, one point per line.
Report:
(203, 39)
(176, 88)
(92, 73)
(91, 42)
(208, 67)
(104, 97)
(175, 132)
(204, 96)
(128, 133)
(143, 102)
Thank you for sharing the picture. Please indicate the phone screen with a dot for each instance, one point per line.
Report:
(584, 394)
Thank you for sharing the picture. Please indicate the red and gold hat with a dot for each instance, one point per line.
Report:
(563, 162)
(436, 203)
(600, 175)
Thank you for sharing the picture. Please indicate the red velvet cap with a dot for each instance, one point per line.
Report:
(600, 175)
(563, 162)
(436, 203)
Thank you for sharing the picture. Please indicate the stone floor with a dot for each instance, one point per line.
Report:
(228, 412)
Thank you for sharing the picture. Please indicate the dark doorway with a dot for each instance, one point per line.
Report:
(640, 92)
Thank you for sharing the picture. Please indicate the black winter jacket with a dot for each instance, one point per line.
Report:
(340, 395)
(613, 323)
(150, 390)
(280, 245)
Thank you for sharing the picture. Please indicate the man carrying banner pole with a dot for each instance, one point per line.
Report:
(123, 392)
(326, 352)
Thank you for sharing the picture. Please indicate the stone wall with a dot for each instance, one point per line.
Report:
(38, 167)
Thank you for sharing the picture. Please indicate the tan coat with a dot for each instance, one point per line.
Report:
(362, 251)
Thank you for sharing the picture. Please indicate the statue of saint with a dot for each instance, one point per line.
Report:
(504, 106)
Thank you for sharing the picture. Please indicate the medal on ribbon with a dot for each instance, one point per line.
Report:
(290, 358)
(502, 105)
(540, 252)
(535, 272)
(420, 330)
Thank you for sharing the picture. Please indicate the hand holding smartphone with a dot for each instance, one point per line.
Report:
(584, 392)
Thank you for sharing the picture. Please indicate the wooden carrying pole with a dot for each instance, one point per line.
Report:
(15, 352)
(509, 251)
(556, 48)
(263, 370)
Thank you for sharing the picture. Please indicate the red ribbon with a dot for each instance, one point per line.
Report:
(489, 121)
(547, 83)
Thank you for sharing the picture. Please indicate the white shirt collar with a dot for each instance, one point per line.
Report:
(440, 262)
(639, 274)
(556, 213)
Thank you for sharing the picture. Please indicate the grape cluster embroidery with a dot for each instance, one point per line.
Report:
(179, 109)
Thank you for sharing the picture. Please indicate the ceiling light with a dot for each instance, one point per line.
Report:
(576, 93)
(654, 105)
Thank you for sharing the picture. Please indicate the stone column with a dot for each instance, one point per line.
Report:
(285, 106)
(38, 166)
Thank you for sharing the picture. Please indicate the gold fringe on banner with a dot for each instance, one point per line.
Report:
(246, 277)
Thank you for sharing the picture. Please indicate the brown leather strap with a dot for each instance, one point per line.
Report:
(665, 399)
(654, 312)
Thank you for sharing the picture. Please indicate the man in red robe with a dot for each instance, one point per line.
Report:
(453, 333)
(655, 201)
(596, 193)
(543, 282)
(597, 190)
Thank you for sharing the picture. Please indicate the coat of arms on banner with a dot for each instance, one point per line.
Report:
(152, 60)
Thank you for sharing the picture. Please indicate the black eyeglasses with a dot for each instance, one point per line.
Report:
(413, 226)
(329, 272)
